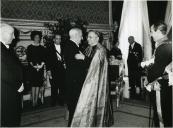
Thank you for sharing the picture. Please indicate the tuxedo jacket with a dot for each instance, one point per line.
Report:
(134, 57)
(163, 56)
(75, 70)
(54, 64)
(52, 58)
(11, 81)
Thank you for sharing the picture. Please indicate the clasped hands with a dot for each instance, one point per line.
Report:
(49, 74)
(38, 67)
(79, 56)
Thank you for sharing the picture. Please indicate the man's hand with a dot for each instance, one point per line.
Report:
(142, 64)
(39, 67)
(79, 56)
(156, 86)
(147, 63)
(49, 74)
(170, 77)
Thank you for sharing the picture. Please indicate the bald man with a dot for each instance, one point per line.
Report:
(11, 80)
(75, 70)
(134, 70)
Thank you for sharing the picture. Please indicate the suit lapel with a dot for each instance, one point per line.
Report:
(134, 46)
(3, 47)
(60, 53)
(76, 47)
(4, 50)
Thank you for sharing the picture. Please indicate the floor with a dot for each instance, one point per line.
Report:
(130, 113)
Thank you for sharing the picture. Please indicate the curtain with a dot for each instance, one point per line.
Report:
(168, 19)
(168, 15)
(135, 22)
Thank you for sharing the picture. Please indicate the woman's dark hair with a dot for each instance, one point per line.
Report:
(160, 25)
(34, 33)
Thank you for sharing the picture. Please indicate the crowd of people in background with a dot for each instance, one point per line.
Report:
(80, 78)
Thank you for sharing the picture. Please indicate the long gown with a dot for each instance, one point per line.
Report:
(93, 107)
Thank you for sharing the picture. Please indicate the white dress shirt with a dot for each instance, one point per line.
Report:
(58, 48)
(132, 45)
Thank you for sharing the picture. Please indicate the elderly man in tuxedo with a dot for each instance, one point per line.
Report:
(162, 58)
(133, 62)
(11, 80)
(75, 70)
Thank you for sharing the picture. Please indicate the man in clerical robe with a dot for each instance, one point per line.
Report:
(93, 108)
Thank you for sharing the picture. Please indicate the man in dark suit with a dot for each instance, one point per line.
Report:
(11, 80)
(163, 57)
(133, 62)
(56, 70)
(75, 70)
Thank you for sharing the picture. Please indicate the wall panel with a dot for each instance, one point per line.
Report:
(91, 11)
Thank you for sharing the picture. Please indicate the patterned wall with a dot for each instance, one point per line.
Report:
(92, 11)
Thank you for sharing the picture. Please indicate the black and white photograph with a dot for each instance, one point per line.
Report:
(93, 63)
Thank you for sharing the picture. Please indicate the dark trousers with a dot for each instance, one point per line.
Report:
(11, 113)
(153, 101)
(54, 91)
(166, 104)
(57, 86)
(11, 122)
(71, 107)
(72, 100)
(134, 81)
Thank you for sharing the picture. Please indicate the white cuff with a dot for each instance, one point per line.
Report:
(21, 88)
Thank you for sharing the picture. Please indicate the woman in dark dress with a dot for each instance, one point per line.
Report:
(115, 51)
(36, 60)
